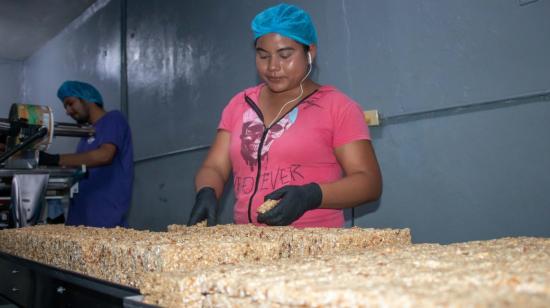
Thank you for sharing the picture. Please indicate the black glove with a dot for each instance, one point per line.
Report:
(205, 207)
(294, 202)
(46, 159)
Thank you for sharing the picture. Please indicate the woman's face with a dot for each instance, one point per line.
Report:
(281, 62)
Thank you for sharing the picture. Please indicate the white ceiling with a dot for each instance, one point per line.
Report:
(26, 25)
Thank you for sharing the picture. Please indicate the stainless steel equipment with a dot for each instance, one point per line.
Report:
(25, 186)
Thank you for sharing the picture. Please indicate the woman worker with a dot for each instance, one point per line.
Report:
(288, 138)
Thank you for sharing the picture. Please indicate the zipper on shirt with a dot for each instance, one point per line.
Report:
(261, 145)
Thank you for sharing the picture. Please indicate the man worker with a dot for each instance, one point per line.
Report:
(104, 197)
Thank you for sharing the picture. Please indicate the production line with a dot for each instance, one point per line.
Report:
(245, 265)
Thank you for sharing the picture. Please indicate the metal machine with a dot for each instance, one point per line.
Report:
(26, 189)
(25, 186)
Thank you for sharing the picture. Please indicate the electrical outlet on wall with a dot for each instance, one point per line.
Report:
(372, 117)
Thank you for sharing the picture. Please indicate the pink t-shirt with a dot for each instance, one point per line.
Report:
(297, 150)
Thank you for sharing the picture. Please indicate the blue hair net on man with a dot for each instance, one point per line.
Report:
(81, 90)
(286, 20)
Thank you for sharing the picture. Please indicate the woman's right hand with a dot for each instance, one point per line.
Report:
(205, 207)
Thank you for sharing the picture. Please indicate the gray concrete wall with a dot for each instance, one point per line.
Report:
(87, 50)
(449, 177)
(11, 81)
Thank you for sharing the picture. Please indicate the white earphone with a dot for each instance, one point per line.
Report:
(309, 61)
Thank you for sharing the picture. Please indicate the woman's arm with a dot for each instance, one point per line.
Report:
(362, 181)
(215, 169)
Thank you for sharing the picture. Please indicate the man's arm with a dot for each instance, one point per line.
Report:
(101, 156)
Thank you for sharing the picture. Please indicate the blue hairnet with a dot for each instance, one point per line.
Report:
(286, 20)
(81, 90)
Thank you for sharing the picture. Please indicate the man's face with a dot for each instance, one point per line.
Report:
(77, 109)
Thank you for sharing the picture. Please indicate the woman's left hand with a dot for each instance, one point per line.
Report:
(294, 201)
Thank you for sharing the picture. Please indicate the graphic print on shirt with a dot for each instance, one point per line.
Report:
(252, 131)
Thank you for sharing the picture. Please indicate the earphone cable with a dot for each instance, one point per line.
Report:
(293, 100)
